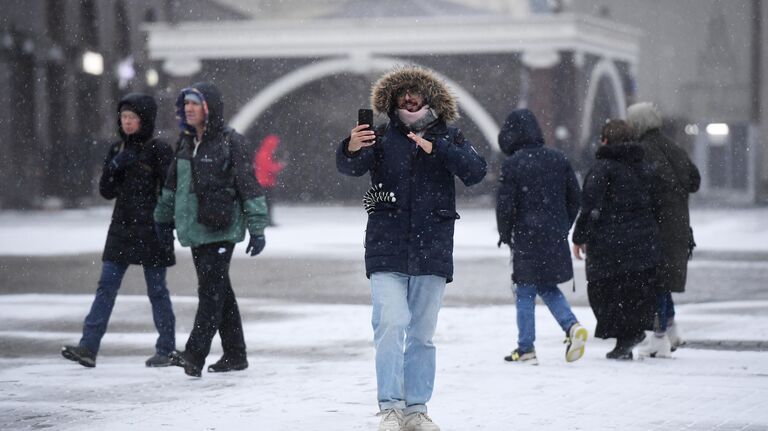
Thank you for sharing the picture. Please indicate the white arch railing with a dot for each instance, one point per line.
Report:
(604, 69)
(304, 75)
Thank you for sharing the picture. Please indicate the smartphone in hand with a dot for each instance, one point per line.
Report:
(365, 116)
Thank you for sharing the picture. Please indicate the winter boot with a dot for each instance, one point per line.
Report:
(391, 420)
(158, 360)
(185, 360)
(81, 355)
(624, 346)
(675, 340)
(656, 346)
(228, 363)
(575, 342)
(522, 357)
(419, 422)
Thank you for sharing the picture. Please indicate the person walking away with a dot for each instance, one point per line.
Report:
(267, 169)
(676, 178)
(409, 236)
(617, 229)
(210, 197)
(134, 169)
(536, 204)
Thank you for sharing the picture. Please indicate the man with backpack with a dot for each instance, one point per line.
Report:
(210, 197)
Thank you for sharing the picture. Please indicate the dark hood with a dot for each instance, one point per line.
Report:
(521, 130)
(213, 103)
(145, 107)
(627, 153)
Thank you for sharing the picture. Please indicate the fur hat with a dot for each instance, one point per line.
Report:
(643, 116)
(418, 79)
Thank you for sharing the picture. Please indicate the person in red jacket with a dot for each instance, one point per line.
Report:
(267, 168)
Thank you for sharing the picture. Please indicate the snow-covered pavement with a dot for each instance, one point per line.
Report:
(312, 369)
(312, 364)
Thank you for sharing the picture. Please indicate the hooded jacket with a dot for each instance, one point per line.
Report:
(617, 220)
(414, 234)
(211, 194)
(536, 204)
(131, 238)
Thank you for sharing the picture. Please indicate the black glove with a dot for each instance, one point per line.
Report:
(124, 158)
(164, 233)
(256, 245)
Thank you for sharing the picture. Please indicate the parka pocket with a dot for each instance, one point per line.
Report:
(215, 208)
(383, 232)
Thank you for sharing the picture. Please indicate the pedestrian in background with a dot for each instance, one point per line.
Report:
(210, 197)
(134, 170)
(267, 169)
(676, 177)
(409, 237)
(536, 204)
(617, 229)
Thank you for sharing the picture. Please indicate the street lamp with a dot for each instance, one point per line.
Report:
(93, 63)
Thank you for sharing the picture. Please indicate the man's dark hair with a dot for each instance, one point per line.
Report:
(616, 132)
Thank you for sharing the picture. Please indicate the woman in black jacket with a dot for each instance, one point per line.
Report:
(617, 229)
(134, 171)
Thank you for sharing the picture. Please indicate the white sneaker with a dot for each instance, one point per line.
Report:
(419, 422)
(391, 420)
(577, 339)
(675, 340)
(655, 347)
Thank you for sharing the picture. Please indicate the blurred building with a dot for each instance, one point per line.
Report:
(301, 68)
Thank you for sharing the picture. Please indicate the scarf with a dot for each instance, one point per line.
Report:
(419, 120)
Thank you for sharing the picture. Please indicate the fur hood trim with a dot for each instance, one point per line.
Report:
(419, 79)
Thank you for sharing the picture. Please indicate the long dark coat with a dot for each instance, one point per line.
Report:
(537, 202)
(131, 238)
(616, 221)
(414, 234)
(617, 225)
(675, 178)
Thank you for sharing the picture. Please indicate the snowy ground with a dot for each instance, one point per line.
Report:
(312, 364)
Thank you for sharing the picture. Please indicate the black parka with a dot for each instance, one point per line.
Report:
(675, 177)
(414, 234)
(536, 204)
(616, 221)
(131, 237)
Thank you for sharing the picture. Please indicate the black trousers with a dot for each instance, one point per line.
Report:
(217, 307)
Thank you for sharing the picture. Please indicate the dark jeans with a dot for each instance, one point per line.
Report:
(217, 307)
(162, 312)
(665, 311)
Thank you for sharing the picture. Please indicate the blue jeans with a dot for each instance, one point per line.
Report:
(665, 311)
(405, 309)
(526, 311)
(162, 312)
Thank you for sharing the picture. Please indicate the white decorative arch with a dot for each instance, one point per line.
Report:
(362, 64)
(604, 69)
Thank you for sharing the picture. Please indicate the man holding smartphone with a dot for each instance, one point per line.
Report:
(409, 236)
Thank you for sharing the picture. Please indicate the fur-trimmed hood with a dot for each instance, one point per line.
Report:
(421, 80)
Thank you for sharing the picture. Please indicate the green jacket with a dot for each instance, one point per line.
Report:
(219, 173)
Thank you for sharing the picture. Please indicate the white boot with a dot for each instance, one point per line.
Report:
(655, 347)
(391, 420)
(419, 422)
(675, 340)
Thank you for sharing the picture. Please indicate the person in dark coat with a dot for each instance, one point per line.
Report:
(409, 237)
(675, 177)
(537, 202)
(211, 197)
(134, 170)
(617, 229)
